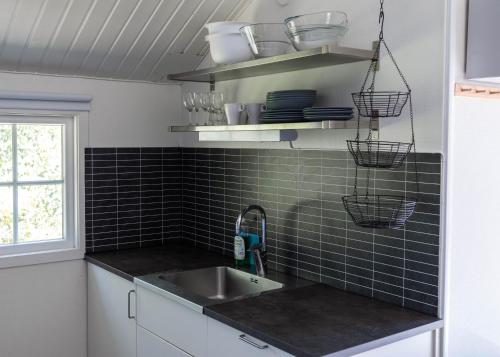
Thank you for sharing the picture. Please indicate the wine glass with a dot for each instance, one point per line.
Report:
(206, 105)
(188, 101)
(217, 103)
(198, 104)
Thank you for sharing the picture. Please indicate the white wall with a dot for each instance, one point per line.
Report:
(123, 113)
(472, 294)
(43, 307)
(415, 31)
(43, 310)
(473, 291)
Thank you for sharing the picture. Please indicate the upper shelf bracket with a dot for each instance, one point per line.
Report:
(212, 85)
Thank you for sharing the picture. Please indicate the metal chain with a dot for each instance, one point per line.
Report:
(368, 171)
(403, 78)
(414, 149)
(355, 193)
(373, 66)
(357, 132)
(381, 20)
(376, 64)
(376, 53)
(370, 131)
(372, 73)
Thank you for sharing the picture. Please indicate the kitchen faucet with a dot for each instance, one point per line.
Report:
(259, 251)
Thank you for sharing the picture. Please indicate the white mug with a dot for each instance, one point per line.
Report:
(233, 113)
(253, 111)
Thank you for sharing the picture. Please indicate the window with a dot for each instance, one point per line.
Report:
(37, 194)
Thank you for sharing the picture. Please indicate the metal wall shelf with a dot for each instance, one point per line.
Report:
(267, 132)
(326, 124)
(295, 61)
(314, 58)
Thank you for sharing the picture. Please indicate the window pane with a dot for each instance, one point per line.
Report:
(39, 150)
(6, 219)
(40, 213)
(5, 153)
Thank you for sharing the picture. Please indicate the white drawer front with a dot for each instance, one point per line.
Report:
(172, 321)
(150, 345)
(225, 341)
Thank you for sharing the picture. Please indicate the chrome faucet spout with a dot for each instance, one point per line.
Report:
(262, 218)
(261, 247)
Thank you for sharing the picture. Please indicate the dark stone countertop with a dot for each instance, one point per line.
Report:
(320, 320)
(173, 256)
(313, 320)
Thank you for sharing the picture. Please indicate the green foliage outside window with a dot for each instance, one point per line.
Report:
(36, 195)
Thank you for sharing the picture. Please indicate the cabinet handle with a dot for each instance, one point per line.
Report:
(129, 314)
(244, 338)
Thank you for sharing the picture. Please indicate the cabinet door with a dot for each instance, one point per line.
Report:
(111, 333)
(150, 345)
(173, 322)
(225, 341)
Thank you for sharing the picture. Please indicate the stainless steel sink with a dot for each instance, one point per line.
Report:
(200, 288)
(220, 283)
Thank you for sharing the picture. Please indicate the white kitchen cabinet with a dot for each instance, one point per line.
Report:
(111, 333)
(225, 341)
(153, 325)
(417, 346)
(150, 345)
(175, 323)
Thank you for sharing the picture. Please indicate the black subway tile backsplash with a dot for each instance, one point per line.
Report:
(309, 233)
(143, 196)
(133, 197)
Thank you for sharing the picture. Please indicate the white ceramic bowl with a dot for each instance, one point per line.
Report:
(225, 27)
(229, 48)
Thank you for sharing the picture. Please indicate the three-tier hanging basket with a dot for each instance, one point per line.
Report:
(371, 210)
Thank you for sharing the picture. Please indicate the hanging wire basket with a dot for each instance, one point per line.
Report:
(380, 104)
(379, 211)
(379, 154)
(372, 210)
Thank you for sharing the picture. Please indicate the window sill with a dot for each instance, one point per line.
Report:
(42, 257)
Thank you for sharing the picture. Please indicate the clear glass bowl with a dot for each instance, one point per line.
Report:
(316, 30)
(266, 40)
(328, 18)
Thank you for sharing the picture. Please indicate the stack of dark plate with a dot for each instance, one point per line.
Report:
(328, 113)
(287, 106)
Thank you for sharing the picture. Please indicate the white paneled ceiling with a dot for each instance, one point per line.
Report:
(122, 39)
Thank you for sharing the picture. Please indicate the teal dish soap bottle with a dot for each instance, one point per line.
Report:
(251, 239)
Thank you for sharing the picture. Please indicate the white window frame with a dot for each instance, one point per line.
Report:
(76, 138)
